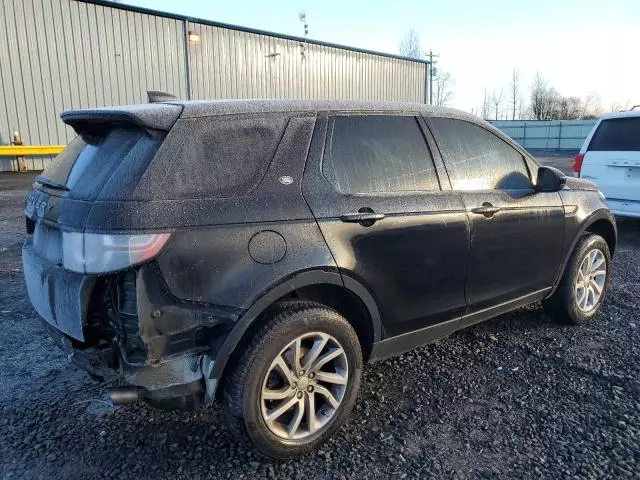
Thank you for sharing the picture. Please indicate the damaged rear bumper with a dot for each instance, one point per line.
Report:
(128, 326)
(176, 382)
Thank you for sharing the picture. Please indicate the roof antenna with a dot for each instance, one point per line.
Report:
(155, 96)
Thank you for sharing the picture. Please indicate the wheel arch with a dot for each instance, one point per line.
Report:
(606, 229)
(349, 296)
(601, 222)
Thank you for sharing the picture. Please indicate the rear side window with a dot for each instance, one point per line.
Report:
(378, 154)
(479, 160)
(219, 156)
(617, 134)
(89, 161)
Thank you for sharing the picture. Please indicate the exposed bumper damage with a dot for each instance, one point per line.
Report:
(128, 326)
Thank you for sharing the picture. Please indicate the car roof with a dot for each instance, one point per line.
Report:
(199, 108)
(162, 115)
(623, 114)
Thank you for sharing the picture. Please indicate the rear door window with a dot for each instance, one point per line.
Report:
(617, 134)
(479, 160)
(371, 154)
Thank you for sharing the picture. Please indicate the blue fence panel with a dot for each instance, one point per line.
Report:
(563, 136)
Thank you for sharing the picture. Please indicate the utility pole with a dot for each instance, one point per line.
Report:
(433, 71)
(302, 16)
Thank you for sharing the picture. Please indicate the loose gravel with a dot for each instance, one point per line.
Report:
(516, 397)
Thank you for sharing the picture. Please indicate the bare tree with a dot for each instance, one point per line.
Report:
(514, 86)
(522, 110)
(567, 108)
(410, 45)
(496, 99)
(545, 100)
(619, 106)
(539, 97)
(443, 89)
(485, 105)
(591, 107)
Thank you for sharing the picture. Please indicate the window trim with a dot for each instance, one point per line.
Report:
(446, 155)
(327, 149)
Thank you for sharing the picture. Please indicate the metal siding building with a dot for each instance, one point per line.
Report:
(57, 55)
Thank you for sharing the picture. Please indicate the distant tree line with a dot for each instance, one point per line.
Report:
(548, 104)
(544, 103)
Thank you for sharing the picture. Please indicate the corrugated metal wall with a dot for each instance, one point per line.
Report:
(57, 55)
(61, 54)
(235, 64)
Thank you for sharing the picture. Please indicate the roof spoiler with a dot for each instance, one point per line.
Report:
(156, 96)
(148, 116)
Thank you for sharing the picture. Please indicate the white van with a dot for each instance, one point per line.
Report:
(610, 157)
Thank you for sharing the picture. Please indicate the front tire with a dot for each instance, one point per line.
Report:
(584, 283)
(296, 382)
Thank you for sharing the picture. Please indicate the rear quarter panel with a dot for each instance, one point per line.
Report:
(236, 249)
(233, 265)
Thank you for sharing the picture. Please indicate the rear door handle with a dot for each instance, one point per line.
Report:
(362, 217)
(486, 209)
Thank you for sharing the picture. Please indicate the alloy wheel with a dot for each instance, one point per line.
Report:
(590, 280)
(304, 386)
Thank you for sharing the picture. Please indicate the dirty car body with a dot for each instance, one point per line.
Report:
(162, 235)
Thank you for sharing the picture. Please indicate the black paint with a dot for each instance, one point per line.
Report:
(422, 264)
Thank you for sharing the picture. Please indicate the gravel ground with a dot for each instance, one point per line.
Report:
(515, 397)
(561, 162)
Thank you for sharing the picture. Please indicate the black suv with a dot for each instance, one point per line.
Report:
(259, 252)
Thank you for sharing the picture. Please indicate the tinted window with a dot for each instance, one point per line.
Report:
(376, 154)
(90, 160)
(479, 160)
(621, 134)
(220, 156)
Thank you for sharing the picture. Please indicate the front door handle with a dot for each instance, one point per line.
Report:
(486, 209)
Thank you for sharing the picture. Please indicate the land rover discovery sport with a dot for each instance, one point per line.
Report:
(258, 253)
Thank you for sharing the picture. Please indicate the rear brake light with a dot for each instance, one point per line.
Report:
(577, 164)
(97, 253)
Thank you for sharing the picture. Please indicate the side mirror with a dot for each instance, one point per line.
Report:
(550, 180)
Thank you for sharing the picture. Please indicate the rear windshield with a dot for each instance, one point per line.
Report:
(617, 134)
(90, 160)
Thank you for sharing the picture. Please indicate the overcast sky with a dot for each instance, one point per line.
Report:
(581, 46)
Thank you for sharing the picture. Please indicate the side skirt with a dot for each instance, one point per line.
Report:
(408, 341)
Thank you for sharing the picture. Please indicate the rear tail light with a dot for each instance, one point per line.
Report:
(97, 253)
(577, 164)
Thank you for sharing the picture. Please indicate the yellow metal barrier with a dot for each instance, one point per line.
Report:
(29, 151)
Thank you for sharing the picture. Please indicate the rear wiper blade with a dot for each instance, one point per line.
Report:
(50, 183)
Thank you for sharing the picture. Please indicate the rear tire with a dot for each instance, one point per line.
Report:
(584, 283)
(315, 400)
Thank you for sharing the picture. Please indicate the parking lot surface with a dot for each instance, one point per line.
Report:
(515, 397)
(561, 162)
